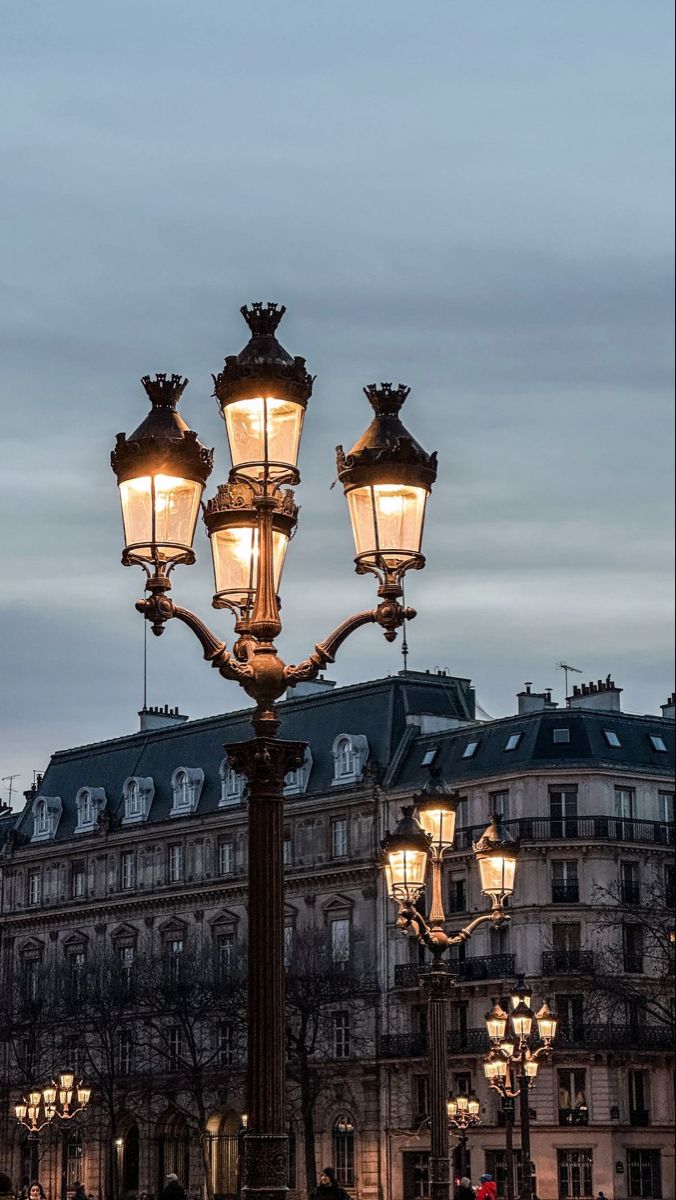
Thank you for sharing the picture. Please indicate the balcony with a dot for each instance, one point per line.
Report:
(639, 1117)
(631, 892)
(402, 1045)
(633, 964)
(468, 970)
(566, 893)
(567, 962)
(468, 1041)
(614, 1037)
(574, 1116)
(578, 829)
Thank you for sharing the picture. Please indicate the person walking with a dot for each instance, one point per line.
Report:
(464, 1190)
(172, 1189)
(328, 1188)
(487, 1188)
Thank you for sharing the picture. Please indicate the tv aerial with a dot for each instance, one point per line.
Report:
(566, 668)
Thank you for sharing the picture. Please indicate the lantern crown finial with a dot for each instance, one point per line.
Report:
(386, 400)
(164, 391)
(263, 319)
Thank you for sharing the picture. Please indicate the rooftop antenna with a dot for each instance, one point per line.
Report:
(566, 667)
(10, 780)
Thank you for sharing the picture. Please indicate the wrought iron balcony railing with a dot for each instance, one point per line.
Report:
(468, 970)
(567, 962)
(655, 1038)
(631, 893)
(581, 829)
(574, 1116)
(566, 893)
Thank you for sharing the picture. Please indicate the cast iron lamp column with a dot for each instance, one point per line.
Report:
(162, 471)
(463, 1114)
(407, 852)
(511, 1061)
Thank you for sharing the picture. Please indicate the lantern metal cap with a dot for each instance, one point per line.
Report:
(163, 441)
(436, 792)
(495, 837)
(263, 365)
(386, 444)
(407, 833)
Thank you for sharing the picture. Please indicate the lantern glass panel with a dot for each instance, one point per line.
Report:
(474, 1107)
(406, 874)
(20, 1111)
(160, 511)
(67, 1080)
(547, 1022)
(387, 520)
(83, 1095)
(35, 1098)
(496, 1023)
(522, 1020)
(234, 550)
(521, 997)
(463, 1103)
(452, 1107)
(440, 823)
(497, 875)
(49, 1094)
(264, 435)
(531, 1068)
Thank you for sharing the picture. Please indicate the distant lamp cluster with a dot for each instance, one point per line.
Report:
(52, 1102)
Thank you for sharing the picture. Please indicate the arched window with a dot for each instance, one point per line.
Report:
(343, 1151)
(89, 802)
(138, 795)
(133, 805)
(186, 786)
(40, 818)
(46, 816)
(350, 752)
(232, 785)
(344, 757)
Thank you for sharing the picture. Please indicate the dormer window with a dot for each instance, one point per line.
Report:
(295, 783)
(232, 785)
(46, 816)
(471, 749)
(138, 795)
(186, 786)
(89, 802)
(350, 752)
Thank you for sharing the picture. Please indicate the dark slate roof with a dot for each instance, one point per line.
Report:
(536, 751)
(376, 709)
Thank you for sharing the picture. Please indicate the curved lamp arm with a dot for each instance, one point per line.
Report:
(389, 614)
(435, 938)
(158, 609)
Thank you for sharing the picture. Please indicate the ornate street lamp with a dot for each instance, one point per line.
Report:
(406, 853)
(52, 1102)
(464, 1112)
(161, 469)
(511, 1068)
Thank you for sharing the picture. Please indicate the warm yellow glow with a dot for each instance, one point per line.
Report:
(264, 430)
(387, 520)
(234, 551)
(83, 1095)
(440, 823)
(496, 1023)
(519, 996)
(32, 1112)
(66, 1080)
(474, 1107)
(161, 510)
(49, 1094)
(497, 875)
(406, 874)
(463, 1103)
(451, 1107)
(50, 1111)
(547, 1022)
(531, 1068)
(495, 1068)
(522, 1020)
(35, 1098)
(119, 1142)
(20, 1111)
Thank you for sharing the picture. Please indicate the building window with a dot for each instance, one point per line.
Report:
(421, 1098)
(625, 803)
(666, 806)
(565, 883)
(645, 1174)
(496, 1164)
(34, 888)
(226, 857)
(569, 1009)
(128, 870)
(513, 741)
(612, 739)
(573, 1108)
(632, 936)
(658, 743)
(639, 1107)
(46, 816)
(30, 979)
(232, 785)
(343, 1151)
(567, 941)
(226, 1045)
(76, 967)
(470, 749)
(125, 1051)
(563, 812)
(341, 1035)
(175, 863)
(561, 736)
(74, 1157)
(339, 838)
(225, 950)
(287, 849)
(89, 804)
(344, 758)
(127, 957)
(78, 881)
(174, 956)
(295, 783)
(85, 808)
(457, 894)
(350, 752)
(630, 891)
(340, 942)
(498, 802)
(138, 793)
(186, 785)
(174, 1047)
(575, 1174)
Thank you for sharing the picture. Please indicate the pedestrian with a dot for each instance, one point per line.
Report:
(328, 1188)
(80, 1193)
(36, 1191)
(172, 1189)
(488, 1188)
(464, 1190)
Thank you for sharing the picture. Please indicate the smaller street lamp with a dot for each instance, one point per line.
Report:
(52, 1102)
(511, 1066)
(464, 1112)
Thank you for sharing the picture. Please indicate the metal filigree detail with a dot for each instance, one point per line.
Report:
(265, 762)
(241, 495)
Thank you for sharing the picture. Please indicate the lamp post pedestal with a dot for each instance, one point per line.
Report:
(438, 983)
(265, 761)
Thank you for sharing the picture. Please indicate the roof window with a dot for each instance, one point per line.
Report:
(658, 743)
(470, 749)
(612, 738)
(513, 741)
(561, 736)
(429, 756)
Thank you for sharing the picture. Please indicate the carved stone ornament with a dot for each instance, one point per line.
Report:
(265, 762)
(265, 1164)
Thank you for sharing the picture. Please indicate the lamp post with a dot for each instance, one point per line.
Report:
(54, 1101)
(512, 1065)
(464, 1112)
(407, 852)
(162, 471)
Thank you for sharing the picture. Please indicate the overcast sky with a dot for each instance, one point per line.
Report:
(471, 198)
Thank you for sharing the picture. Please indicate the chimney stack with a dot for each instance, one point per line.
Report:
(157, 717)
(669, 708)
(604, 695)
(530, 702)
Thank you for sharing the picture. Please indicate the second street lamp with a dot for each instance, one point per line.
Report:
(161, 469)
(406, 854)
(464, 1112)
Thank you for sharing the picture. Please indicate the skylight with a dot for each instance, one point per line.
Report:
(658, 743)
(513, 741)
(470, 749)
(561, 737)
(429, 756)
(612, 738)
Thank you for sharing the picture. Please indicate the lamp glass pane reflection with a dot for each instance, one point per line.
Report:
(405, 870)
(387, 521)
(497, 875)
(234, 551)
(264, 435)
(438, 821)
(159, 514)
